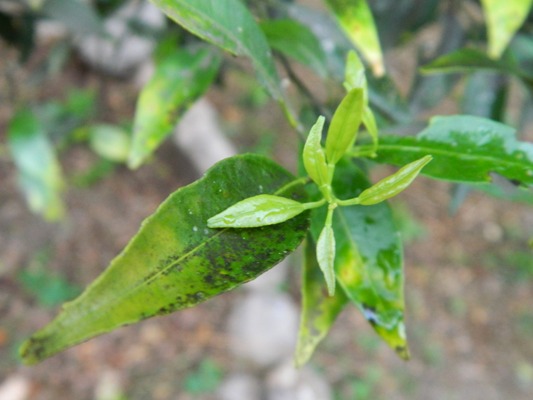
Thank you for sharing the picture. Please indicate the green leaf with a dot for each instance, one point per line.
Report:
(465, 149)
(110, 142)
(344, 125)
(354, 75)
(314, 157)
(319, 309)
(355, 18)
(368, 259)
(39, 171)
(325, 255)
(179, 79)
(465, 60)
(504, 18)
(229, 25)
(49, 289)
(205, 380)
(296, 40)
(355, 78)
(256, 211)
(393, 184)
(175, 261)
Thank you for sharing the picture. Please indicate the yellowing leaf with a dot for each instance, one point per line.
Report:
(504, 18)
(355, 18)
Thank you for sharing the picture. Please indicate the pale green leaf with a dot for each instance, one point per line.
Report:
(110, 142)
(344, 125)
(260, 210)
(355, 18)
(314, 157)
(325, 255)
(175, 261)
(393, 184)
(179, 79)
(39, 171)
(504, 18)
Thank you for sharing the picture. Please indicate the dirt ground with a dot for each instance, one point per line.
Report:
(469, 290)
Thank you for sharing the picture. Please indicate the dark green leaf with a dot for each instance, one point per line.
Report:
(180, 78)
(175, 261)
(39, 171)
(319, 310)
(295, 40)
(368, 260)
(355, 17)
(503, 20)
(465, 60)
(464, 149)
(229, 25)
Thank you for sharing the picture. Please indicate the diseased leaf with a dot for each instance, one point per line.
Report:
(503, 18)
(314, 157)
(465, 149)
(229, 25)
(393, 184)
(179, 79)
(355, 18)
(368, 259)
(344, 125)
(260, 210)
(319, 310)
(39, 171)
(295, 40)
(175, 261)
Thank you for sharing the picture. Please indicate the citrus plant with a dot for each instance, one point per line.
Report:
(247, 213)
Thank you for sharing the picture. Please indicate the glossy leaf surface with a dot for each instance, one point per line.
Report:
(179, 79)
(319, 310)
(295, 40)
(344, 125)
(356, 20)
(503, 19)
(314, 156)
(175, 261)
(393, 184)
(39, 172)
(465, 149)
(368, 259)
(260, 210)
(229, 25)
